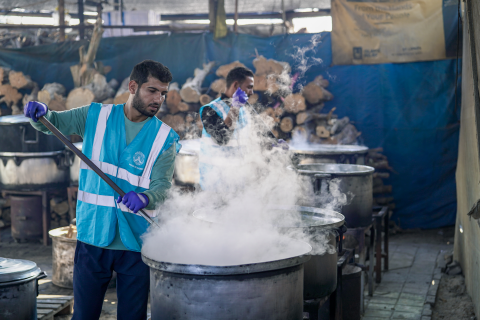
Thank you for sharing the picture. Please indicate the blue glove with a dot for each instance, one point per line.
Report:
(35, 110)
(239, 98)
(134, 201)
(281, 144)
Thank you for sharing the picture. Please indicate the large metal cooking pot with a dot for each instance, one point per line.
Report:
(267, 290)
(18, 135)
(19, 289)
(75, 167)
(186, 163)
(320, 275)
(328, 153)
(355, 181)
(33, 171)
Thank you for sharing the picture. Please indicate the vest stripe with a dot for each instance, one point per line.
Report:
(137, 181)
(107, 201)
(221, 109)
(100, 130)
(157, 146)
(104, 166)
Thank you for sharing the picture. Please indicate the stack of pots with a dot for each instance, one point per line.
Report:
(19, 289)
(29, 159)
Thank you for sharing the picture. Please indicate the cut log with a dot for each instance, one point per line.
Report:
(270, 66)
(108, 101)
(123, 87)
(383, 164)
(33, 96)
(300, 132)
(205, 99)
(348, 135)
(176, 122)
(219, 85)
(181, 107)
(339, 124)
(121, 99)
(83, 72)
(9, 95)
(4, 72)
(321, 82)
(79, 97)
(302, 117)
(382, 189)
(253, 98)
(191, 89)
(294, 103)
(58, 103)
(20, 81)
(314, 94)
(286, 125)
(189, 118)
(49, 90)
(100, 88)
(173, 96)
(223, 71)
(16, 110)
(382, 175)
(260, 83)
(322, 132)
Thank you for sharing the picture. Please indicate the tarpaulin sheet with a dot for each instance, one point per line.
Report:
(408, 109)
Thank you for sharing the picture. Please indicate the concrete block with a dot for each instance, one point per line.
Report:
(408, 308)
(411, 302)
(384, 314)
(427, 310)
(381, 306)
(430, 300)
(417, 297)
(406, 315)
(432, 291)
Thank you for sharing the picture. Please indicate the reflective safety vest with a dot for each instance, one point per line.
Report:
(213, 158)
(130, 167)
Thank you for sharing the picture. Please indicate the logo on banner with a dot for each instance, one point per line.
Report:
(138, 158)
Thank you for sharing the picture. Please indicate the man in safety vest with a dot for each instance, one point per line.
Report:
(222, 120)
(137, 151)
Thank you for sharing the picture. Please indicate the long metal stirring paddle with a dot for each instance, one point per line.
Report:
(92, 166)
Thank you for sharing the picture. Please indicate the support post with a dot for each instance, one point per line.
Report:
(235, 24)
(81, 30)
(61, 19)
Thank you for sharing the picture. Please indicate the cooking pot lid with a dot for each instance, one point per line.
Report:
(328, 149)
(16, 269)
(17, 118)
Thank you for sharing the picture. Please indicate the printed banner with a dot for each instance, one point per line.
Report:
(383, 31)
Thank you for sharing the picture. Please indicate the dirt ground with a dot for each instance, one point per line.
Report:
(453, 301)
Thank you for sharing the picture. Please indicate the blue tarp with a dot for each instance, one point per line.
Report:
(408, 109)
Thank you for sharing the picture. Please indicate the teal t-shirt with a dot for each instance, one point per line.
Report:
(73, 122)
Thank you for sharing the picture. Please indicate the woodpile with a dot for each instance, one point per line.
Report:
(59, 212)
(382, 193)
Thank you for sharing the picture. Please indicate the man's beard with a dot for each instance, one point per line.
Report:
(141, 107)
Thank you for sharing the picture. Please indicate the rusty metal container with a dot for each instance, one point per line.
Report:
(63, 254)
(26, 215)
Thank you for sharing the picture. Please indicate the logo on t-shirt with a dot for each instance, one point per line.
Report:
(138, 158)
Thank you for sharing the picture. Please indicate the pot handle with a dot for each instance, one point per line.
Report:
(24, 130)
(317, 181)
(42, 275)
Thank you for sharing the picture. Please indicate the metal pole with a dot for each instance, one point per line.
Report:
(235, 24)
(81, 30)
(61, 18)
(89, 163)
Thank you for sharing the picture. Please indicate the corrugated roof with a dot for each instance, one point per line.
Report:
(174, 6)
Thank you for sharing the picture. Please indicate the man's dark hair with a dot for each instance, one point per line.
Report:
(152, 68)
(238, 74)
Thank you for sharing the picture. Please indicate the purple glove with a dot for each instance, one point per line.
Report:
(239, 98)
(35, 110)
(134, 201)
(281, 144)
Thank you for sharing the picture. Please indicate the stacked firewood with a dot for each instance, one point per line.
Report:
(59, 212)
(5, 219)
(182, 105)
(382, 193)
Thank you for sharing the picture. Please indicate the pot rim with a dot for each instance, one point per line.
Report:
(364, 170)
(207, 270)
(52, 235)
(329, 149)
(31, 154)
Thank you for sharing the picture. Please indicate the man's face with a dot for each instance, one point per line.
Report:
(247, 86)
(149, 97)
